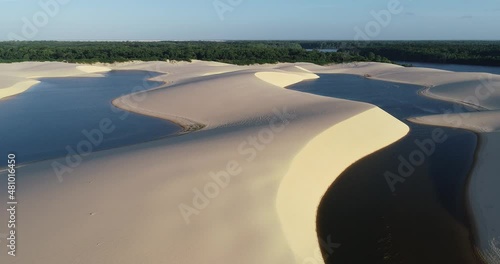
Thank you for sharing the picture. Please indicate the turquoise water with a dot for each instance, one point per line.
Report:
(54, 117)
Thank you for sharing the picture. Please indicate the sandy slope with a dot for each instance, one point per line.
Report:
(480, 90)
(13, 87)
(319, 163)
(480, 122)
(122, 205)
(225, 194)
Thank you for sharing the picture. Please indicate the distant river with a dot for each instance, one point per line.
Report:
(425, 219)
(456, 67)
(324, 50)
(59, 113)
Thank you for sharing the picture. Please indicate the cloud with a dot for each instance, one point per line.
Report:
(410, 14)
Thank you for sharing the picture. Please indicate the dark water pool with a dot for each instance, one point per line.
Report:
(52, 117)
(421, 220)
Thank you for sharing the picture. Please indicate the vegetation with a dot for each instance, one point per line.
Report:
(485, 53)
(252, 52)
(235, 52)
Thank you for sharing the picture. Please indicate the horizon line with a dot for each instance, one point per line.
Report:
(249, 40)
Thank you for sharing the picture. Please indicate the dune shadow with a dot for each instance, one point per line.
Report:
(422, 221)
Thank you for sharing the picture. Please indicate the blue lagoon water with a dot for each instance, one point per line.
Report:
(51, 117)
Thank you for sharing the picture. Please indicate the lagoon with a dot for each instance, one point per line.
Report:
(54, 117)
(423, 217)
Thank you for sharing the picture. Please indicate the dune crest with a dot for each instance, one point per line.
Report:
(319, 163)
(283, 80)
(93, 69)
(264, 137)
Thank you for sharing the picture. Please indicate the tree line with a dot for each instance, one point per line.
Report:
(234, 52)
(486, 53)
(256, 52)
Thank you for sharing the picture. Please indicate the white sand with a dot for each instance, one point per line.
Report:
(319, 163)
(123, 205)
(480, 122)
(93, 69)
(17, 88)
(476, 89)
(284, 79)
(484, 196)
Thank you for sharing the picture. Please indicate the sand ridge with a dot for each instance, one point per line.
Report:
(218, 195)
(245, 104)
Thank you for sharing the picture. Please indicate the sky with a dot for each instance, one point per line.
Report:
(249, 19)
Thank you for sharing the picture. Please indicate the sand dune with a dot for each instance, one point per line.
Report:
(17, 88)
(219, 195)
(318, 164)
(261, 158)
(483, 197)
(284, 79)
(480, 122)
(92, 69)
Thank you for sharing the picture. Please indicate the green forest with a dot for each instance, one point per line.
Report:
(236, 52)
(256, 52)
(486, 53)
